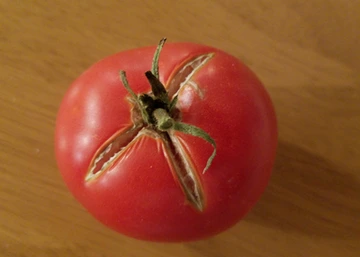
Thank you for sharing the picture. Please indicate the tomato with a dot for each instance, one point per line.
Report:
(167, 144)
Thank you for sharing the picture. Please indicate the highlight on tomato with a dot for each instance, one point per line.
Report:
(170, 143)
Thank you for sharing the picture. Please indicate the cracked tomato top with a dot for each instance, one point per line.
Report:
(135, 158)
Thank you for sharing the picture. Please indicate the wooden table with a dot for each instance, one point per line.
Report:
(306, 53)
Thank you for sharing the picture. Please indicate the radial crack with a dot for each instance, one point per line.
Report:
(179, 160)
(184, 171)
(185, 74)
(111, 150)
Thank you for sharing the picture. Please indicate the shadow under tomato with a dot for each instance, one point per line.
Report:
(309, 195)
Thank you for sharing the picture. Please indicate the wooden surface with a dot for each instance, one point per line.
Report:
(307, 54)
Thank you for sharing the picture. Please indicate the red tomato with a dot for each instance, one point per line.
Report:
(149, 183)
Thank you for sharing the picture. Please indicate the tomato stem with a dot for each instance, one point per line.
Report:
(163, 120)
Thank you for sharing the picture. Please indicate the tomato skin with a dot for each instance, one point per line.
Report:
(139, 195)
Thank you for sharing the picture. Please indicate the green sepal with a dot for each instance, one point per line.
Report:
(173, 103)
(198, 132)
(135, 98)
(155, 62)
(127, 86)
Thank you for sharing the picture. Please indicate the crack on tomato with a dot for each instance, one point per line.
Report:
(180, 163)
(184, 171)
(111, 150)
(179, 160)
(185, 74)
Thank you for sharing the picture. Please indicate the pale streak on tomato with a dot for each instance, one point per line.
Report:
(180, 163)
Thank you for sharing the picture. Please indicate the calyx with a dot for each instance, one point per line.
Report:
(158, 111)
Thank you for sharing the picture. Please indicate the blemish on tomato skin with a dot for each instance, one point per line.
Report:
(187, 95)
(186, 98)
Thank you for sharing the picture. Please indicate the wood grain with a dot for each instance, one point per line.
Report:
(306, 53)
